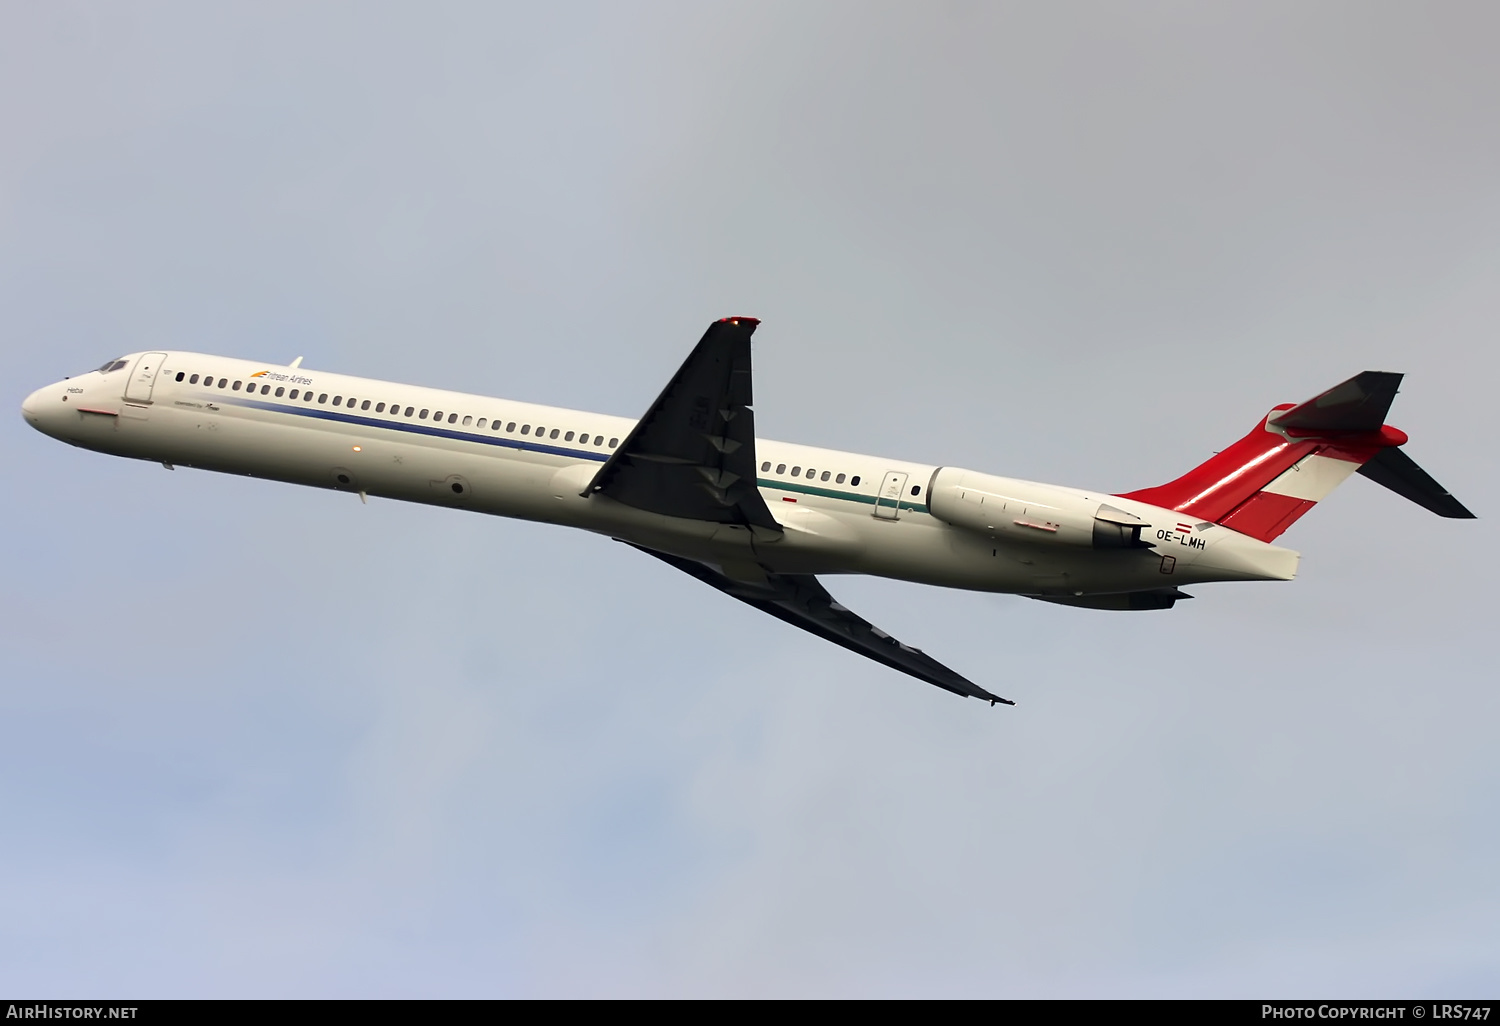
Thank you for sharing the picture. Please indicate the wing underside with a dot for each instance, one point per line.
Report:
(803, 602)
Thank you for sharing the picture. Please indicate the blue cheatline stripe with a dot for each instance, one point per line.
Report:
(415, 429)
(515, 443)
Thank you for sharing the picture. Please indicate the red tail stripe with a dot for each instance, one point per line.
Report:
(1360, 454)
(1265, 515)
(1210, 491)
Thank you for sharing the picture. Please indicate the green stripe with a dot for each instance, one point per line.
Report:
(831, 493)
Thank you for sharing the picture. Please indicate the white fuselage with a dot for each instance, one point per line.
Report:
(842, 512)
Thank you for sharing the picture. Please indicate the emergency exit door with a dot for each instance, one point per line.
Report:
(888, 501)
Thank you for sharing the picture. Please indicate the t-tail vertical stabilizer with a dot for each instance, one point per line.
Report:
(1297, 455)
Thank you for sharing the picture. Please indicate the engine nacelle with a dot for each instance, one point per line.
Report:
(1003, 507)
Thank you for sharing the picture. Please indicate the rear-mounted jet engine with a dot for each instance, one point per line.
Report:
(1003, 507)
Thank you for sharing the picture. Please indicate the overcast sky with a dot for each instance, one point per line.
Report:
(264, 741)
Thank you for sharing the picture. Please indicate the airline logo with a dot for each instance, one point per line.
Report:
(292, 379)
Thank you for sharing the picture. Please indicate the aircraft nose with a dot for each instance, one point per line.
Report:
(34, 408)
(31, 406)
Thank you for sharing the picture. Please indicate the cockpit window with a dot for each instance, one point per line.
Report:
(112, 365)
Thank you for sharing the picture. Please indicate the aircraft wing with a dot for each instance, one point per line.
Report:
(693, 454)
(803, 602)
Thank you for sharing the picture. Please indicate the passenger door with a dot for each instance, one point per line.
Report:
(143, 377)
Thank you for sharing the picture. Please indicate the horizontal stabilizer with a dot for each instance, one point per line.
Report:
(1400, 473)
(1359, 404)
(1156, 598)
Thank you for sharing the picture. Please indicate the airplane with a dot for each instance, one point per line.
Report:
(691, 483)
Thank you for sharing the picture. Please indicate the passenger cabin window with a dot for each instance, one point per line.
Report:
(323, 399)
(511, 427)
(307, 397)
(193, 380)
(452, 418)
(566, 438)
(825, 475)
(180, 375)
(223, 382)
(553, 434)
(839, 479)
(854, 480)
(525, 429)
(796, 471)
(280, 389)
(365, 405)
(613, 442)
(765, 466)
(781, 468)
(598, 439)
(422, 415)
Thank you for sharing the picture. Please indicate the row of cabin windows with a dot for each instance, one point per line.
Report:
(526, 429)
(396, 411)
(810, 473)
